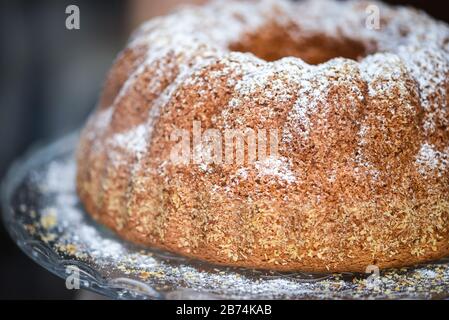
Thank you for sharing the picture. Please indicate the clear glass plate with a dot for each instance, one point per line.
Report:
(45, 218)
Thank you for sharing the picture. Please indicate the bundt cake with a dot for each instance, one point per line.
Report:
(356, 168)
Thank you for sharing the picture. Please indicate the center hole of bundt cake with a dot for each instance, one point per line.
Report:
(274, 43)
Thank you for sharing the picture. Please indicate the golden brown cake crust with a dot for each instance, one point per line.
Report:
(362, 175)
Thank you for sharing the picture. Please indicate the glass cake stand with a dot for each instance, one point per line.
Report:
(43, 215)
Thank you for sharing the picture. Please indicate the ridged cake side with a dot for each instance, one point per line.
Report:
(362, 175)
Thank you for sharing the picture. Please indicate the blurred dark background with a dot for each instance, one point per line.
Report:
(50, 78)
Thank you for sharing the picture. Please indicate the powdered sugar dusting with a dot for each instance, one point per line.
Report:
(197, 35)
(401, 70)
(429, 66)
(133, 141)
(97, 126)
(383, 72)
(103, 119)
(278, 167)
(271, 80)
(82, 237)
(429, 159)
(175, 278)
